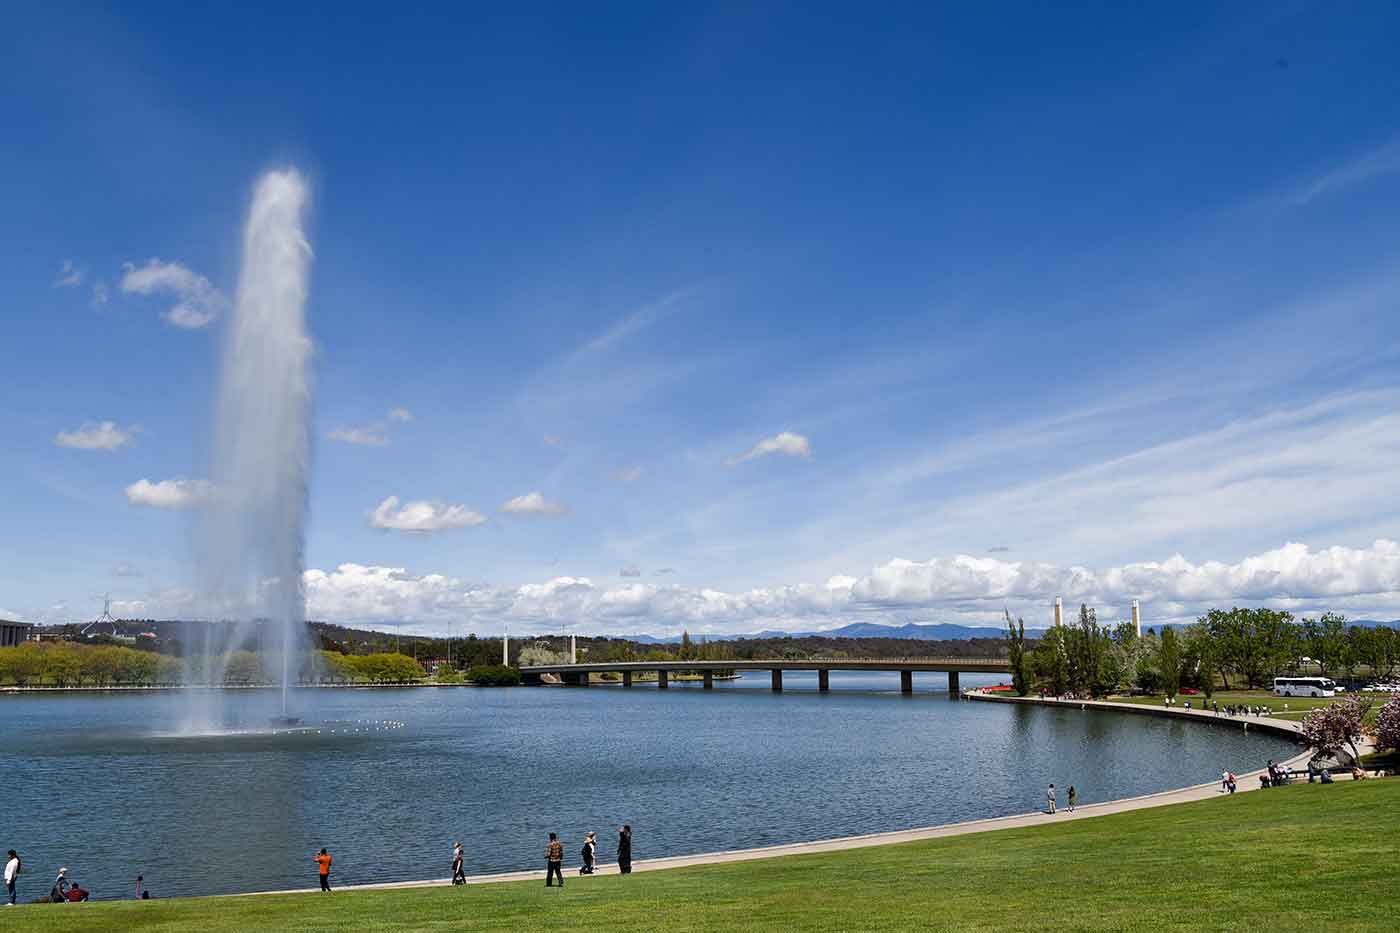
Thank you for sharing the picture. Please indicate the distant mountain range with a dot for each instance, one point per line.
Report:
(941, 631)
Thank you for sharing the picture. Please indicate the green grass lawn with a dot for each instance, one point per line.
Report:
(1279, 707)
(1302, 857)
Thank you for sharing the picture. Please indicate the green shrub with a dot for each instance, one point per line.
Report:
(494, 675)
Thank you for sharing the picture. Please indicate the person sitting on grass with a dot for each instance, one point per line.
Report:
(76, 894)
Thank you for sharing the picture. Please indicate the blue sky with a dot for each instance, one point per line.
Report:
(1004, 304)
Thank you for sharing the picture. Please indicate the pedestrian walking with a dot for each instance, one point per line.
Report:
(590, 855)
(459, 876)
(624, 849)
(13, 868)
(1073, 798)
(554, 862)
(1050, 797)
(323, 865)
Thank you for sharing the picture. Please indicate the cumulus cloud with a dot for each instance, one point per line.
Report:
(96, 435)
(533, 503)
(629, 572)
(628, 474)
(169, 494)
(971, 589)
(788, 443)
(420, 516)
(100, 294)
(375, 434)
(69, 275)
(198, 303)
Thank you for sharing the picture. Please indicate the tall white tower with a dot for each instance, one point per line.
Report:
(573, 649)
(505, 650)
(1059, 612)
(1137, 619)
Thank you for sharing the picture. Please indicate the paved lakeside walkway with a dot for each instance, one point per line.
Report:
(1247, 783)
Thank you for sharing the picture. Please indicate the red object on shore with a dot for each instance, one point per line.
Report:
(999, 688)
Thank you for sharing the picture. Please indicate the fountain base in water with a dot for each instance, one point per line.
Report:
(284, 722)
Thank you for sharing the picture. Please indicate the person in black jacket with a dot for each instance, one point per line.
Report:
(589, 855)
(624, 849)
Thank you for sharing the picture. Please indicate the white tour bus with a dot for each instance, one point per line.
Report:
(1304, 687)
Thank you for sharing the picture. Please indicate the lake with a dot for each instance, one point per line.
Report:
(94, 786)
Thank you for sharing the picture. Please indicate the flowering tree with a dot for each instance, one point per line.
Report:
(1337, 727)
(1388, 724)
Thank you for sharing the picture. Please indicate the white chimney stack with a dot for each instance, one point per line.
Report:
(1137, 619)
(573, 649)
(1059, 612)
(505, 650)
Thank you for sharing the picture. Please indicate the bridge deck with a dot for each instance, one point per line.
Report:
(943, 665)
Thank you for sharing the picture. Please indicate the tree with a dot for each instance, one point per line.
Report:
(1169, 662)
(1325, 639)
(1339, 727)
(1050, 663)
(1016, 653)
(1388, 724)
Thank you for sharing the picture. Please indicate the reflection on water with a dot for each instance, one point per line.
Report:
(101, 787)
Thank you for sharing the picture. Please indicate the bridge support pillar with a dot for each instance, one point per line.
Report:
(823, 680)
(626, 678)
(584, 678)
(661, 680)
(709, 680)
(953, 688)
(906, 681)
(777, 681)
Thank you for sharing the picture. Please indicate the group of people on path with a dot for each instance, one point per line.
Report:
(554, 856)
(1071, 799)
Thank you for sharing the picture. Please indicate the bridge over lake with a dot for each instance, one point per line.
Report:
(581, 675)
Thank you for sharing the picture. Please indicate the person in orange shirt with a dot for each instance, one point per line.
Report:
(324, 861)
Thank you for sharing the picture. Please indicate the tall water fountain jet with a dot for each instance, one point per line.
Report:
(252, 531)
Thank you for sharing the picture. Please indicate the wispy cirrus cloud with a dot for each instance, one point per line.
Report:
(198, 303)
(422, 516)
(375, 434)
(1358, 170)
(97, 435)
(628, 474)
(787, 442)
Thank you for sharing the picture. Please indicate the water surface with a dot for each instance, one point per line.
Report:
(95, 786)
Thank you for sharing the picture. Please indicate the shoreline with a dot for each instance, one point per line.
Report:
(1248, 782)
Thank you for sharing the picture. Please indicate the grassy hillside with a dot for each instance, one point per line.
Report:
(1301, 857)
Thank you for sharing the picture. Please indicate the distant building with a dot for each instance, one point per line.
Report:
(13, 633)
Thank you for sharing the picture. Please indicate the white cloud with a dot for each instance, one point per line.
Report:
(789, 443)
(552, 441)
(367, 436)
(629, 572)
(170, 494)
(533, 503)
(68, 275)
(96, 435)
(1382, 160)
(1360, 582)
(635, 321)
(628, 474)
(123, 569)
(420, 516)
(198, 302)
(100, 294)
(372, 435)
